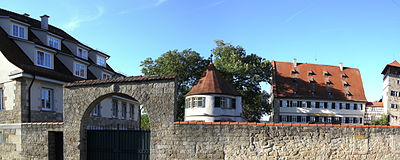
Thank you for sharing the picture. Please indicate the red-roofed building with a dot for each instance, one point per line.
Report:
(213, 99)
(373, 111)
(313, 93)
(391, 92)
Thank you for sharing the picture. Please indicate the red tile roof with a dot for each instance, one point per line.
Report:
(393, 64)
(375, 104)
(213, 83)
(313, 81)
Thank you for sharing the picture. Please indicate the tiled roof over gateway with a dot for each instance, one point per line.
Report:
(213, 83)
(313, 81)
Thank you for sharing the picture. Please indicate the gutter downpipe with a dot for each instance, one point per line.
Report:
(29, 98)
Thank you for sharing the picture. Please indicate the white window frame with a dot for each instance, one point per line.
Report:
(53, 42)
(101, 63)
(47, 98)
(114, 109)
(284, 118)
(131, 111)
(18, 32)
(96, 110)
(78, 68)
(83, 54)
(105, 75)
(46, 61)
(123, 110)
(1, 99)
(196, 101)
(303, 119)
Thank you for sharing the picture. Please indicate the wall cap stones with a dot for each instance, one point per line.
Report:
(282, 124)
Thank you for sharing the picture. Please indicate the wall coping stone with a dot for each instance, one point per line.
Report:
(283, 124)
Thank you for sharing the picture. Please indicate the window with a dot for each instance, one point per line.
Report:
(114, 109)
(316, 104)
(199, 102)
(347, 106)
(294, 118)
(327, 73)
(355, 120)
(303, 119)
(361, 106)
(82, 53)
(329, 120)
(132, 111)
(289, 118)
(47, 98)
(43, 59)
(53, 42)
(123, 110)
(325, 105)
(344, 76)
(355, 107)
(308, 104)
(101, 61)
(18, 31)
(340, 106)
(105, 76)
(299, 104)
(95, 111)
(1, 99)
(347, 120)
(311, 73)
(233, 103)
(217, 102)
(289, 103)
(333, 105)
(280, 103)
(80, 70)
(346, 84)
(284, 118)
(394, 105)
(223, 102)
(1, 138)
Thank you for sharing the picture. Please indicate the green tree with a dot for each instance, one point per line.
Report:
(144, 122)
(381, 121)
(245, 72)
(188, 65)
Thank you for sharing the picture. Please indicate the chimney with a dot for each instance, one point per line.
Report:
(341, 66)
(26, 15)
(295, 62)
(45, 22)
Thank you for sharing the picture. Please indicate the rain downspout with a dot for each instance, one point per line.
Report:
(29, 99)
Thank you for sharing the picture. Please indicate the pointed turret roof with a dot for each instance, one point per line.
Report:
(213, 83)
(393, 64)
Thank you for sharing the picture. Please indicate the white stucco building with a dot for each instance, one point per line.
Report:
(312, 93)
(213, 99)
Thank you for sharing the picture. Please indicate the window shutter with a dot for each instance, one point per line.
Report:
(217, 102)
(204, 102)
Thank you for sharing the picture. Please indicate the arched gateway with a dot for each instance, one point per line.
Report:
(156, 93)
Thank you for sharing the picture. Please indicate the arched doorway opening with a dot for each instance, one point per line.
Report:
(111, 126)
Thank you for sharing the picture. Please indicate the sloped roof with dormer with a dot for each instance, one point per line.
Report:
(314, 81)
(213, 83)
(16, 55)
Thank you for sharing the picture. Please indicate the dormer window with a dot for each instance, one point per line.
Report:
(327, 73)
(105, 76)
(82, 53)
(345, 76)
(295, 72)
(53, 42)
(43, 59)
(312, 80)
(346, 84)
(101, 61)
(18, 31)
(311, 73)
(349, 94)
(329, 82)
(80, 70)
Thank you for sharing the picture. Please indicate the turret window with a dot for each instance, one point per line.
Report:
(199, 102)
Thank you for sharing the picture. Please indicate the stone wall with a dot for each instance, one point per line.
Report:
(232, 140)
(11, 112)
(26, 140)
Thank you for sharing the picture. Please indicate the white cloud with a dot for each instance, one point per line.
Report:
(76, 21)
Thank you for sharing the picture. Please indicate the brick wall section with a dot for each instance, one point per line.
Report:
(233, 140)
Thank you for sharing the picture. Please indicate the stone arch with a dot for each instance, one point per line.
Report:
(156, 93)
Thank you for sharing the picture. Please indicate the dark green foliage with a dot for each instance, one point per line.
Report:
(187, 64)
(144, 122)
(245, 72)
(381, 121)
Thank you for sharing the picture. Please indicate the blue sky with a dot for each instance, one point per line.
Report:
(363, 34)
